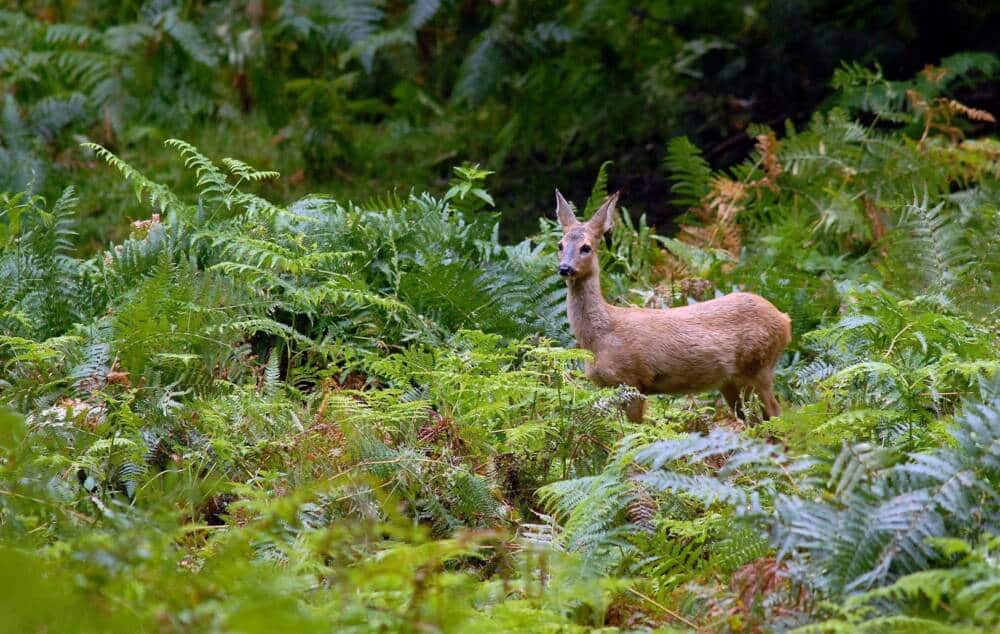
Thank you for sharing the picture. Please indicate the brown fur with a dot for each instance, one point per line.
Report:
(731, 343)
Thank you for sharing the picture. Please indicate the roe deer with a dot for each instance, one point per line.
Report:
(731, 343)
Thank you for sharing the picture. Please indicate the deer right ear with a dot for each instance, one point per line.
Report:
(565, 213)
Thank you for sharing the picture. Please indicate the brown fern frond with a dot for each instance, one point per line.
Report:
(972, 114)
(934, 74)
(718, 235)
(695, 235)
(767, 145)
(641, 510)
(917, 101)
(920, 107)
(875, 217)
(937, 115)
(727, 198)
(767, 577)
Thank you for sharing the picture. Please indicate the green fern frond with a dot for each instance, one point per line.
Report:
(188, 37)
(690, 171)
(159, 195)
(930, 250)
(245, 172)
(599, 192)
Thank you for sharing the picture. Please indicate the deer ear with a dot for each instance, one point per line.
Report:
(565, 213)
(604, 217)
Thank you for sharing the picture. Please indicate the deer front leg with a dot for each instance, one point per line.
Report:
(763, 384)
(601, 375)
(731, 392)
(635, 408)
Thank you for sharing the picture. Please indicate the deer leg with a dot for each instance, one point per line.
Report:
(731, 392)
(763, 385)
(635, 408)
(771, 407)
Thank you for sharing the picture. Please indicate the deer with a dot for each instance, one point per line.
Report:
(731, 343)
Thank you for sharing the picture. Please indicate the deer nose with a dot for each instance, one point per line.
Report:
(565, 270)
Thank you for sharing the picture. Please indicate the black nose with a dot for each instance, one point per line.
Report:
(565, 270)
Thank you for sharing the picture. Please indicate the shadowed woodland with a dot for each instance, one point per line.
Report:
(283, 345)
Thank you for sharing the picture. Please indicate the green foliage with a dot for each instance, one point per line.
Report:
(866, 517)
(42, 286)
(469, 183)
(247, 413)
(890, 368)
(913, 206)
(689, 169)
(959, 598)
(866, 89)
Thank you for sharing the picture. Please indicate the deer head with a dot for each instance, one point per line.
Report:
(578, 247)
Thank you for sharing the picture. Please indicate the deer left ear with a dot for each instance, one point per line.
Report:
(604, 217)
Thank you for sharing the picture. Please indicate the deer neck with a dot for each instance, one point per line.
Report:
(587, 311)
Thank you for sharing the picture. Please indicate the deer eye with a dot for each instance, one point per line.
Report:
(585, 248)
(560, 246)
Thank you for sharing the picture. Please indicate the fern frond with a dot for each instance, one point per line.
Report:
(690, 171)
(599, 192)
(159, 195)
(188, 37)
(245, 172)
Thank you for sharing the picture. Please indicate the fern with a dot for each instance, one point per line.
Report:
(875, 519)
(959, 597)
(484, 66)
(762, 466)
(159, 195)
(890, 366)
(881, 521)
(689, 169)
(599, 191)
(42, 287)
(375, 398)
(187, 36)
(930, 250)
(422, 12)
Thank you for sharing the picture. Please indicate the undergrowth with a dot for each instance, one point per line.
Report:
(328, 415)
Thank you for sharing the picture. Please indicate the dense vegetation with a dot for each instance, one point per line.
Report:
(231, 405)
(358, 97)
